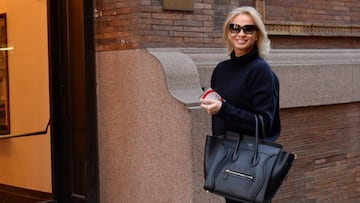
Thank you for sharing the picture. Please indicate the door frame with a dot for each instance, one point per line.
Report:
(60, 70)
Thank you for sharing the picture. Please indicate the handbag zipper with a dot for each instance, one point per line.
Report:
(236, 173)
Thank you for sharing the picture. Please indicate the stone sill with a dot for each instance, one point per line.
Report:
(308, 77)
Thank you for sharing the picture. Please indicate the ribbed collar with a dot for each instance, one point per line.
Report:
(252, 55)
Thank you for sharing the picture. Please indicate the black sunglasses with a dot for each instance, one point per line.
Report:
(248, 29)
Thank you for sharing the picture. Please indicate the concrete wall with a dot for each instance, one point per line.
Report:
(152, 130)
(145, 134)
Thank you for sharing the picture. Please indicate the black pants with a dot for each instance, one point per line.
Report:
(233, 201)
(230, 201)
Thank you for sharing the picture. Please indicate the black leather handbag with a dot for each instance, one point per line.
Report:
(244, 168)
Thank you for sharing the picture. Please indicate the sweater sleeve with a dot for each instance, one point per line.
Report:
(265, 95)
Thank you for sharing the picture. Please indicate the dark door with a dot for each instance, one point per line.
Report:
(73, 101)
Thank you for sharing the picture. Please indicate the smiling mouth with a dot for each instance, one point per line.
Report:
(241, 41)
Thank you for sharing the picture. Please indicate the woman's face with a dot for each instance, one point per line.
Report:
(242, 43)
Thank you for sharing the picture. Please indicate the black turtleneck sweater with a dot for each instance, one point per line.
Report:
(248, 86)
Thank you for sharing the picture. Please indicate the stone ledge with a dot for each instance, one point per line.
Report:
(308, 77)
(181, 75)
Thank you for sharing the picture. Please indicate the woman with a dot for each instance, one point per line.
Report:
(246, 82)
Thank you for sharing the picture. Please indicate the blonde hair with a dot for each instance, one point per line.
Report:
(263, 43)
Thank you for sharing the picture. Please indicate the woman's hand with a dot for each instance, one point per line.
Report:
(212, 106)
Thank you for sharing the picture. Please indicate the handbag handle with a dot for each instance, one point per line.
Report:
(258, 121)
(261, 120)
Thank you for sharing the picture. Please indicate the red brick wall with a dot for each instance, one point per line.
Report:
(123, 24)
(116, 24)
(339, 12)
(198, 28)
(311, 42)
(342, 13)
(126, 24)
(326, 140)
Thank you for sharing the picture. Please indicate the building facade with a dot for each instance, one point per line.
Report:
(151, 45)
(125, 78)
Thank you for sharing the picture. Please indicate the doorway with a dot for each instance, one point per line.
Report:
(73, 101)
